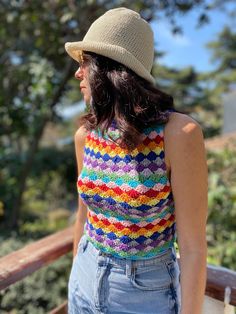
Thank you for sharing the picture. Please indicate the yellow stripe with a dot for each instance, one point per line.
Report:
(145, 149)
(142, 199)
(127, 231)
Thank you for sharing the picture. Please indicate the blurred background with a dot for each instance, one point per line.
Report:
(40, 103)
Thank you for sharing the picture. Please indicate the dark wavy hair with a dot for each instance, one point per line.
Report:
(119, 93)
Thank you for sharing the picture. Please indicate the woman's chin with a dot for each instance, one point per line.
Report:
(87, 99)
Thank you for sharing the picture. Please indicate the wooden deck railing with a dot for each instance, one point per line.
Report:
(19, 264)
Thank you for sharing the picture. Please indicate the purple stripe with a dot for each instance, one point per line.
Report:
(88, 162)
(120, 247)
(132, 212)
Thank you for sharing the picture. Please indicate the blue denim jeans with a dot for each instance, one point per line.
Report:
(102, 284)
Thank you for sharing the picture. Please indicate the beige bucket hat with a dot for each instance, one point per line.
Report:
(122, 35)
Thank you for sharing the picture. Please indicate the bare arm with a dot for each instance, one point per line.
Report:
(189, 181)
(81, 214)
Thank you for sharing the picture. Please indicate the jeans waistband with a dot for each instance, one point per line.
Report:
(162, 257)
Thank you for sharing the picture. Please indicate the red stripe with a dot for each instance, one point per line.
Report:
(132, 193)
(158, 139)
(133, 227)
(96, 141)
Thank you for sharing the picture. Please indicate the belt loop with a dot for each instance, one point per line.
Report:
(85, 244)
(128, 268)
(173, 251)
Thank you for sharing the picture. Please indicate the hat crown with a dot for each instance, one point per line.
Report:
(122, 35)
(124, 28)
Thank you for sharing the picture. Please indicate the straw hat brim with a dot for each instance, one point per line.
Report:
(116, 53)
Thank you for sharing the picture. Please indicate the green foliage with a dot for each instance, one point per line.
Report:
(46, 204)
(37, 75)
(222, 208)
(191, 95)
(223, 54)
(40, 292)
(51, 184)
(224, 49)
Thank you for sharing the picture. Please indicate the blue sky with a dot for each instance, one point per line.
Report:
(189, 48)
(182, 50)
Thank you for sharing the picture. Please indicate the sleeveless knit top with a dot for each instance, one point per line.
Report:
(128, 195)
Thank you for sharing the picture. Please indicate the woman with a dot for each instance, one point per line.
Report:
(142, 180)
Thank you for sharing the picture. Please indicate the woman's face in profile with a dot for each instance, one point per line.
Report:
(82, 75)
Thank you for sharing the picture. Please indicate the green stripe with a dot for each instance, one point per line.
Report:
(111, 177)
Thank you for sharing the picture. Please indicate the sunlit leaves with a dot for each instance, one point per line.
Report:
(222, 207)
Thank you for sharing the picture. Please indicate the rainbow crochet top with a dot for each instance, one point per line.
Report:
(128, 195)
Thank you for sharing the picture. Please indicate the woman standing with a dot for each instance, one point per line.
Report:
(142, 181)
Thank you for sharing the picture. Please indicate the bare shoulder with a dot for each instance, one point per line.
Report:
(179, 125)
(182, 133)
(80, 136)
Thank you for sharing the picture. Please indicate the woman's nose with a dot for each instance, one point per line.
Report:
(79, 74)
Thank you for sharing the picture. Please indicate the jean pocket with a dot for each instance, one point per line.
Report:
(82, 244)
(175, 293)
(174, 272)
(151, 277)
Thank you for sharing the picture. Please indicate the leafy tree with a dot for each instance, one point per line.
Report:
(222, 208)
(37, 76)
(192, 96)
(36, 72)
(224, 55)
